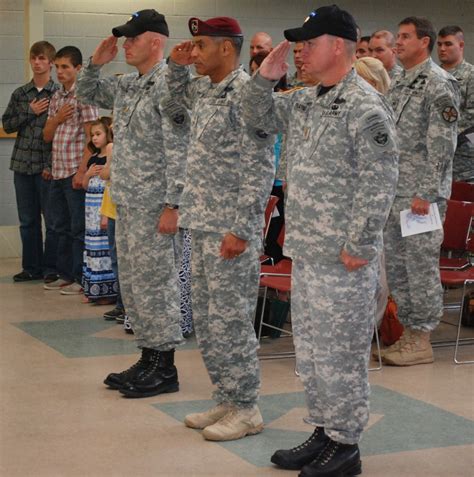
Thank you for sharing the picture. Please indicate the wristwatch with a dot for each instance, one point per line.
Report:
(172, 206)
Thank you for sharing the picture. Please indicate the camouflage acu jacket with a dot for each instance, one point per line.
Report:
(229, 174)
(149, 158)
(342, 164)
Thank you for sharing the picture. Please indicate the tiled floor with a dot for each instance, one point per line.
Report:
(58, 420)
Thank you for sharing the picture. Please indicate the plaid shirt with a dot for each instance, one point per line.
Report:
(31, 155)
(69, 137)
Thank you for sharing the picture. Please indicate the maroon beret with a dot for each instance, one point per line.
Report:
(218, 26)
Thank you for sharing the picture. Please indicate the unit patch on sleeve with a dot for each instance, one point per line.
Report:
(450, 114)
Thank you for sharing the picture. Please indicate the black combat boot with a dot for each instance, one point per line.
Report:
(336, 460)
(161, 376)
(296, 458)
(118, 380)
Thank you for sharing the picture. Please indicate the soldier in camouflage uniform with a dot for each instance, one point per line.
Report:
(147, 179)
(229, 178)
(342, 172)
(451, 56)
(425, 101)
(382, 47)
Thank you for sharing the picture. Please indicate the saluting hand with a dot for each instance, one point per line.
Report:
(181, 53)
(274, 66)
(106, 51)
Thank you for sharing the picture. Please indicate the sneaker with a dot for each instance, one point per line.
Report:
(112, 315)
(57, 284)
(127, 326)
(120, 320)
(50, 277)
(415, 350)
(71, 289)
(305, 453)
(235, 424)
(201, 420)
(25, 277)
(335, 460)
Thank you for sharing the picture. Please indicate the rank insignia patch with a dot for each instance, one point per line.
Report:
(194, 26)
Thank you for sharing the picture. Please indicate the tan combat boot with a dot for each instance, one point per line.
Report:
(395, 347)
(415, 350)
(200, 420)
(234, 425)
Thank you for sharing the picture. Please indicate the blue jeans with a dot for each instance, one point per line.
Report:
(67, 208)
(113, 258)
(32, 199)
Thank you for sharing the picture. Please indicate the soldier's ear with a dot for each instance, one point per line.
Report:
(425, 41)
(227, 47)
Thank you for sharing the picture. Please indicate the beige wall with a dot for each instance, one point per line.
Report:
(84, 22)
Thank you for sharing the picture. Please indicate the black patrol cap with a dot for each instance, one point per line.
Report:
(328, 20)
(142, 21)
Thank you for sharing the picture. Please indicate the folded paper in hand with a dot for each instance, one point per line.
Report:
(413, 224)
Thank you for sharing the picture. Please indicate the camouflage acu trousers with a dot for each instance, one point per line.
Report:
(333, 322)
(412, 265)
(148, 265)
(224, 297)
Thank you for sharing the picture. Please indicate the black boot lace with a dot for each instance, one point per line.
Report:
(140, 364)
(154, 363)
(328, 453)
(308, 441)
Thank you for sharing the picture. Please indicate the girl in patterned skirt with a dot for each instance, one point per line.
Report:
(99, 283)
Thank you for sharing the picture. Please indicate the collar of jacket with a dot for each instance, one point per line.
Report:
(326, 99)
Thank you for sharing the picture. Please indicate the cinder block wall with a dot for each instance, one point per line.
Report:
(84, 22)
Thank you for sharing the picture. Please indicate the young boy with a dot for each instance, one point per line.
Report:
(26, 115)
(68, 128)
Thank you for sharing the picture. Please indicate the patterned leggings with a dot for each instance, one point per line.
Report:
(185, 285)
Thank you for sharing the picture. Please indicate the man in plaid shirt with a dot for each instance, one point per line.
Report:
(26, 115)
(68, 128)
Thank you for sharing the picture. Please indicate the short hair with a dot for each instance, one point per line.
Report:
(106, 123)
(43, 48)
(73, 53)
(423, 28)
(388, 36)
(237, 42)
(364, 38)
(372, 69)
(350, 47)
(451, 30)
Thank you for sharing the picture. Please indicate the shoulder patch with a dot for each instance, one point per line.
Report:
(374, 126)
(175, 111)
(450, 114)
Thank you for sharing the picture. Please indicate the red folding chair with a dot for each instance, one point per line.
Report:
(278, 278)
(457, 235)
(462, 191)
(459, 278)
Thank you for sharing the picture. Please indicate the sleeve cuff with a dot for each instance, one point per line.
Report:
(263, 82)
